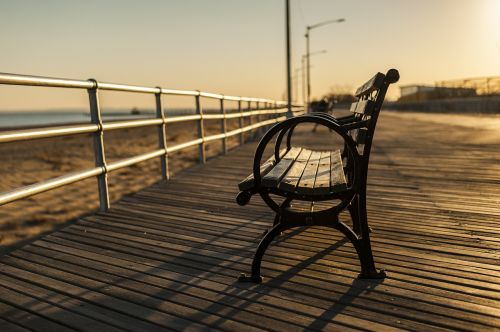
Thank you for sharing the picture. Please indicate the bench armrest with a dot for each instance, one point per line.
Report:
(355, 125)
(341, 119)
(290, 124)
(346, 118)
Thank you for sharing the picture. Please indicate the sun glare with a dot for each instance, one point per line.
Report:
(491, 17)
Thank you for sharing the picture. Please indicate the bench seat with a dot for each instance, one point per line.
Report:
(304, 172)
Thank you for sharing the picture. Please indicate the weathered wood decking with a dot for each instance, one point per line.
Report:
(167, 257)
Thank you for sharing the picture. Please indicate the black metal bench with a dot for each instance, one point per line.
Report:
(297, 173)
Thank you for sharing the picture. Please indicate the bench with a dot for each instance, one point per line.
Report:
(294, 173)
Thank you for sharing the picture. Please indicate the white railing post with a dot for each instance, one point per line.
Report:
(258, 132)
(266, 116)
(223, 126)
(249, 108)
(162, 136)
(201, 130)
(99, 154)
(240, 110)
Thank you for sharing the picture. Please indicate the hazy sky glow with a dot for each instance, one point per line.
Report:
(236, 47)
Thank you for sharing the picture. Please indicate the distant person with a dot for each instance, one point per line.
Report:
(322, 106)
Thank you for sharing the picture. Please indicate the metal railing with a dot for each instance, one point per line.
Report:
(274, 111)
(484, 86)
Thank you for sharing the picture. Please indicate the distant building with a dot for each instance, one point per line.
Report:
(426, 92)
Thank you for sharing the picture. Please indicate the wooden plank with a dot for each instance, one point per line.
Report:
(304, 156)
(98, 313)
(25, 317)
(352, 109)
(338, 181)
(364, 107)
(322, 183)
(160, 311)
(68, 320)
(271, 179)
(226, 284)
(257, 312)
(170, 241)
(293, 153)
(373, 84)
(268, 166)
(306, 183)
(171, 290)
(362, 313)
(176, 226)
(188, 263)
(249, 180)
(11, 327)
(292, 177)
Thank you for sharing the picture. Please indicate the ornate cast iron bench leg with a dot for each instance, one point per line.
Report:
(363, 245)
(354, 212)
(269, 235)
(259, 254)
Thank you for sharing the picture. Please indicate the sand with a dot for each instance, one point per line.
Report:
(28, 162)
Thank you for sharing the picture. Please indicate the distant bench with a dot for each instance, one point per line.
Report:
(297, 173)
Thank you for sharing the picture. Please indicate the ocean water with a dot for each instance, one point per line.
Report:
(20, 119)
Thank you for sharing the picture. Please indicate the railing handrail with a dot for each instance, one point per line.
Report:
(30, 80)
(272, 111)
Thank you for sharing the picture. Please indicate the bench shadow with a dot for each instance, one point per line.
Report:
(232, 298)
(358, 287)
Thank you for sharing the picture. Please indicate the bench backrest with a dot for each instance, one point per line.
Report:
(370, 98)
(367, 108)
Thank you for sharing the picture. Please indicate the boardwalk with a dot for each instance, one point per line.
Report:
(167, 257)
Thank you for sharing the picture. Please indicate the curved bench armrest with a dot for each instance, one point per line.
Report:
(293, 122)
(340, 120)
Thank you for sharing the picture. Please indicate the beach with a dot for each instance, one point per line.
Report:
(28, 162)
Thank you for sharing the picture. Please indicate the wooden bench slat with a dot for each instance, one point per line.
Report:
(373, 84)
(322, 183)
(304, 156)
(264, 168)
(337, 180)
(293, 153)
(292, 177)
(274, 176)
(306, 182)
(363, 107)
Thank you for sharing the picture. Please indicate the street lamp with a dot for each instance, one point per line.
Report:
(304, 56)
(288, 60)
(308, 54)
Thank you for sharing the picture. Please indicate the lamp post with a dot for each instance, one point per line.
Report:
(308, 54)
(288, 60)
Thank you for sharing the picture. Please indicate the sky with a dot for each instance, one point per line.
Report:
(237, 47)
